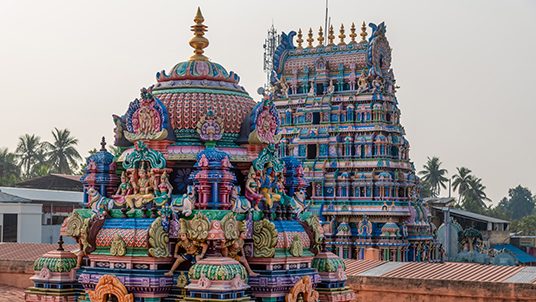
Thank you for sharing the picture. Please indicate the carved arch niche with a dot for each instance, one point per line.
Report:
(302, 291)
(110, 285)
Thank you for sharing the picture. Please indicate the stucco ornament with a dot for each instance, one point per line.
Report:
(146, 119)
(264, 239)
(230, 227)
(158, 239)
(302, 291)
(118, 246)
(110, 285)
(197, 228)
(210, 127)
(296, 246)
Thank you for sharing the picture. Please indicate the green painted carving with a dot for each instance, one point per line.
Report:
(217, 272)
(142, 153)
(317, 232)
(118, 246)
(296, 246)
(230, 227)
(264, 239)
(158, 240)
(268, 155)
(57, 265)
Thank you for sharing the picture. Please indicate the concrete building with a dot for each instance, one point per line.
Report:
(34, 215)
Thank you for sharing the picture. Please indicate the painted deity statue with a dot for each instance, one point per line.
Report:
(144, 183)
(377, 84)
(124, 188)
(268, 183)
(252, 188)
(235, 250)
(163, 191)
(362, 83)
(187, 250)
(239, 204)
(331, 88)
(311, 89)
(185, 203)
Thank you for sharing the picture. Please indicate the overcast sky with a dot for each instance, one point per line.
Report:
(466, 68)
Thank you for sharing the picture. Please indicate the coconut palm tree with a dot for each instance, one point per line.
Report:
(62, 154)
(434, 175)
(9, 170)
(461, 181)
(475, 197)
(30, 152)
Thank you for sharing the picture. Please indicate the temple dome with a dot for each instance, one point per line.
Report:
(193, 87)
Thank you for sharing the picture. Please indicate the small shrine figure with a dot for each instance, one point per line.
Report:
(331, 88)
(124, 188)
(143, 181)
(134, 182)
(377, 84)
(239, 204)
(164, 189)
(252, 189)
(352, 79)
(311, 89)
(283, 87)
(362, 83)
(185, 203)
(235, 250)
(187, 250)
(268, 183)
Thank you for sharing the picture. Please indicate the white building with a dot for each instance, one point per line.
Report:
(34, 215)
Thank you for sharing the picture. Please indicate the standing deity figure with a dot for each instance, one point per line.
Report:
(252, 188)
(187, 250)
(134, 182)
(311, 89)
(352, 79)
(362, 83)
(283, 86)
(163, 191)
(268, 182)
(331, 88)
(235, 250)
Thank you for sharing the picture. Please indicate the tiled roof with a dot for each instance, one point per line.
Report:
(28, 251)
(450, 271)
(11, 294)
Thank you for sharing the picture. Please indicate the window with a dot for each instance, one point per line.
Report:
(9, 230)
(311, 151)
(316, 118)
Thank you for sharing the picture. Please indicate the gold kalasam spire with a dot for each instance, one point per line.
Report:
(352, 33)
(320, 37)
(310, 39)
(342, 35)
(331, 36)
(198, 41)
(363, 33)
(299, 40)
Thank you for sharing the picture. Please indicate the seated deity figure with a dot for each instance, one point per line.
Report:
(377, 84)
(235, 250)
(268, 182)
(185, 203)
(187, 250)
(362, 83)
(252, 189)
(124, 188)
(144, 181)
(164, 189)
(134, 182)
(239, 204)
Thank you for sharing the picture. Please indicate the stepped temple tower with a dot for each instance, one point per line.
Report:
(199, 205)
(340, 117)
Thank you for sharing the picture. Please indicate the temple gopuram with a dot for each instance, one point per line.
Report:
(340, 117)
(199, 206)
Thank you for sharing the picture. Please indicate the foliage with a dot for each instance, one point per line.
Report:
(518, 204)
(474, 198)
(461, 181)
(31, 153)
(525, 226)
(434, 176)
(9, 170)
(62, 154)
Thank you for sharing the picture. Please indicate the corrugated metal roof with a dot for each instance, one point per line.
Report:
(44, 195)
(5, 197)
(519, 254)
(472, 215)
(450, 271)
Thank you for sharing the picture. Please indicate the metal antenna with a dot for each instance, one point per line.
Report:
(326, 20)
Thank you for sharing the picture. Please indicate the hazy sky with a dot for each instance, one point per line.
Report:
(466, 68)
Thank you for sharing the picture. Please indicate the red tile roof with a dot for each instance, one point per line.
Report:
(11, 294)
(28, 251)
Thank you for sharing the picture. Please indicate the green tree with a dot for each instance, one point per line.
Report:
(434, 175)
(475, 197)
(519, 203)
(461, 181)
(525, 226)
(30, 151)
(9, 170)
(62, 154)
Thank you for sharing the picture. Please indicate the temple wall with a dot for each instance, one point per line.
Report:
(374, 289)
(16, 273)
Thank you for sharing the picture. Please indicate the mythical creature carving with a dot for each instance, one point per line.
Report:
(296, 247)
(315, 231)
(118, 246)
(264, 239)
(158, 240)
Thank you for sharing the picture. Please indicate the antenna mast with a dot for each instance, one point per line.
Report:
(326, 21)
(270, 44)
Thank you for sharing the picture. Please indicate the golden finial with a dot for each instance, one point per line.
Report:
(310, 39)
(342, 35)
(198, 41)
(320, 37)
(331, 36)
(363, 32)
(299, 40)
(352, 33)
